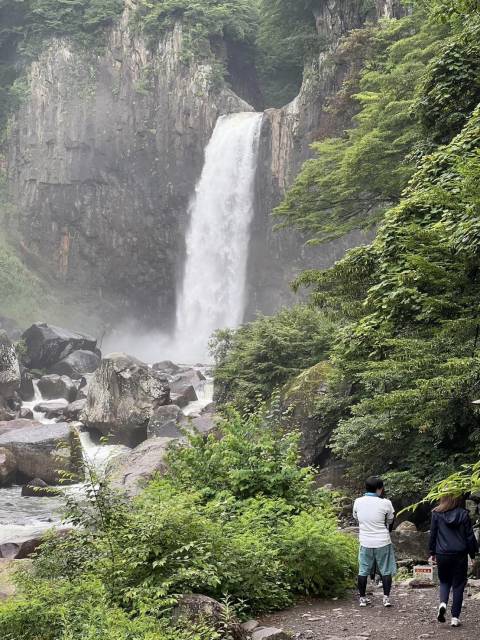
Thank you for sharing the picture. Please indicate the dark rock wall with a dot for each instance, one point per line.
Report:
(104, 157)
(106, 150)
(287, 133)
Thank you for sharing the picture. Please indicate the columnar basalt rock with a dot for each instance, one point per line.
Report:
(104, 157)
(287, 133)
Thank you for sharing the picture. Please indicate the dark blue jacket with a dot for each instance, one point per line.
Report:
(452, 532)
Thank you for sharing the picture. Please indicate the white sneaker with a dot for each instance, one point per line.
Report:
(364, 602)
(456, 622)
(442, 610)
(386, 601)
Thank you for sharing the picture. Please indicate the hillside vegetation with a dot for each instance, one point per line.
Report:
(406, 306)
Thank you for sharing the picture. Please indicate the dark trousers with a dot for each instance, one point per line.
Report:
(452, 573)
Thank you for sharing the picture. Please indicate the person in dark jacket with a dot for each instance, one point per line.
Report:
(452, 540)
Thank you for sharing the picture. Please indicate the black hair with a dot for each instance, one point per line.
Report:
(373, 484)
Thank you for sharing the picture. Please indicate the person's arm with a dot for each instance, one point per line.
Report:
(355, 514)
(390, 516)
(472, 544)
(432, 545)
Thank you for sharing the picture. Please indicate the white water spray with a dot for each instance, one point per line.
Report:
(212, 295)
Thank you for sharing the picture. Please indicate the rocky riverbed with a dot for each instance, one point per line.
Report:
(64, 407)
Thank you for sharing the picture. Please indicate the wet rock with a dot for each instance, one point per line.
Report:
(25, 414)
(183, 387)
(9, 368)
(130, 472)
(180, 400)
(37, 488)
(44, 450)
(26, 391)
(51, 409)
(8, 466)
(166, 366)
(54, 386)
(23, 546)
(209, 408)
(122, 397)
(17, 423)
(166, 422)
(196, 607)
(6, 414)
(203, 424)
(74, 409)
(47, 344)
(77, 364)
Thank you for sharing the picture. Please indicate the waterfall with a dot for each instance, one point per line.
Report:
(212, 294)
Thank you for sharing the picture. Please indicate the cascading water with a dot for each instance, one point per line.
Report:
(212, 295)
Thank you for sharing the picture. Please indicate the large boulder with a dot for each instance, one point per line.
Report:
(77, 364)
(54, 386)
(9, 368)
(203, 424)
(18, 423)
(23, 545)
(8, 466)
(74, 409)
(301, 399)
(52, 410)
(196, 608)
(26, 390)
(131, 471)
(44, 451)
(167, 367)
(410, 544)
(166, 422)
(47, 344)
(183, 387)
(122, 397)
(37, 488)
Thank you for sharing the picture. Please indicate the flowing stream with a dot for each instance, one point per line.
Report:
(212, 295)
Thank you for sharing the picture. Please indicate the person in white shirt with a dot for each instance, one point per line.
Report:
(375, 516)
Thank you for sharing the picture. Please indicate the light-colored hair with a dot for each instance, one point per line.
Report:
(447, 503)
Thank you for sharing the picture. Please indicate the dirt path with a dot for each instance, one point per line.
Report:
(412, 617)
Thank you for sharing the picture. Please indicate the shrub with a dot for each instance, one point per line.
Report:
(263, 355)
(230, 518)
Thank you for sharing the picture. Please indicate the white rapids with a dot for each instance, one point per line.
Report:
(212, 295)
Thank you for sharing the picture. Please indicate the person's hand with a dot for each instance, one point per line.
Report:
(432, 560)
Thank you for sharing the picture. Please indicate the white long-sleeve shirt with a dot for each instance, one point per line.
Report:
(374, 515)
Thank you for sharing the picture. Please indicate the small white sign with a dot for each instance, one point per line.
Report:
(424, 573)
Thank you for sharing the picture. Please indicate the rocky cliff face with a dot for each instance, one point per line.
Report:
(104, 156)
(277, 257)
(106, 150)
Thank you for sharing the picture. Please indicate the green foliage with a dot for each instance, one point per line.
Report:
(202, 20)
(26, 25)
(235, 516)
(263, 355)
(81, 610)
(412, 355)
(287, 37)
(212, 465)
(450, 90)
(352, 180)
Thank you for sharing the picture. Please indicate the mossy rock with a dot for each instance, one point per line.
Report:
(303, 392)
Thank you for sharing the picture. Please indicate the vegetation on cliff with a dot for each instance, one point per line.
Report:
(406, 305)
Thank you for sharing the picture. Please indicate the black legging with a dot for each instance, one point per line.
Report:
(362, 585)
(452, 573)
